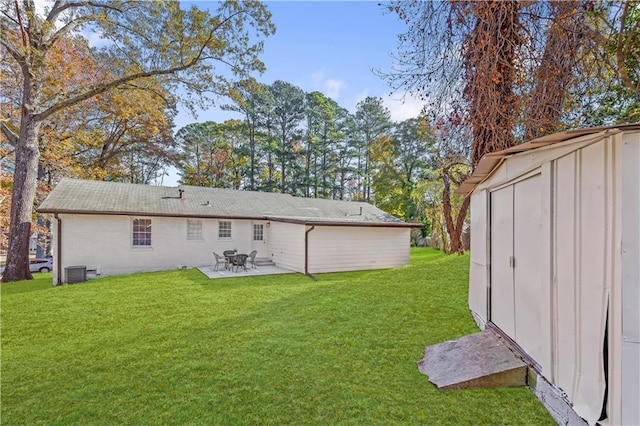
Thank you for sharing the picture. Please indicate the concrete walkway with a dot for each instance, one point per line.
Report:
(227, 273)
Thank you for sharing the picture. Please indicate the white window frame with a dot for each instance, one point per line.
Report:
(260, 233)
(194, 230)
(220, 230)
(137, 231)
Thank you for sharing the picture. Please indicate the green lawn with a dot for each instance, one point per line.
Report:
(178, 348)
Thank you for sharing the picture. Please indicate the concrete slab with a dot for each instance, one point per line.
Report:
(479, 360)
(227, 273)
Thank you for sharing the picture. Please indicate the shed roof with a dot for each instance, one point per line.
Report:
(115, 198)
(490, 162)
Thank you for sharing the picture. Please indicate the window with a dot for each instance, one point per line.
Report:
(194, 229)
(142, 232)
(224, 229)
(258, 232)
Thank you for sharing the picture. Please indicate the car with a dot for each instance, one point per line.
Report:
(37, 265)
(41, 265)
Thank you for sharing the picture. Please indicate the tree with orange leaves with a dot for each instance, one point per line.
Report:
(142, 40)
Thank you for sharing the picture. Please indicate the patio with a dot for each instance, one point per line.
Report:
(258, 270)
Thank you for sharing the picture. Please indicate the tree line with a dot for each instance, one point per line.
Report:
(491, 73)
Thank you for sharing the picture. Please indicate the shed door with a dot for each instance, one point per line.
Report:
(519, 303)
(502, 298)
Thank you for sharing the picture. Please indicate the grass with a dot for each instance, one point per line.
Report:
(177, 348)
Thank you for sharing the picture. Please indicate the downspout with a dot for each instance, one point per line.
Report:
(306, 253)
(58, 250)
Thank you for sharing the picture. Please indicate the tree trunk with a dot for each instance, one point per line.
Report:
(555, 72)
(25, 179)
(454, 230)
(490, 74)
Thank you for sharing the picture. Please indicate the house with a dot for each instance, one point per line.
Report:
(118, 228)
(555, 265)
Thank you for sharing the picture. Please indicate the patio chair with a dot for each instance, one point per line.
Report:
(239, 261)
(228, 254)
(220, 260)
(252, 258)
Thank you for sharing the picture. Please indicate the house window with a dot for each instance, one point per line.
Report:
(142, 232)
(258, 232)
(224, 229)
(194, 229)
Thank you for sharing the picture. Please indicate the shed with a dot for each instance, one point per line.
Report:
(116, 228)
(555, 263)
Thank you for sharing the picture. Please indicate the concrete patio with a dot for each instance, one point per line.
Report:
(228, 273)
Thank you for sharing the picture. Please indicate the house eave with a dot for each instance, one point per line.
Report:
(275, 219)
(148, 214)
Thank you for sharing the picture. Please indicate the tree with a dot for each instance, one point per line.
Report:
(288, 112)
(489, 58)
(402, 162)
(142, 40)
(247, 95)
(557, 68)
(450, 160)
(197, 148)
(373, 120)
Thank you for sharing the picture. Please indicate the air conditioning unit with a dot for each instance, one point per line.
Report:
(75, 274)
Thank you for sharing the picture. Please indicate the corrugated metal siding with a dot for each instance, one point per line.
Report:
(583, 268)
(287, 245)
(590, 208)
(478, 271)
(630, 351)
(333, 249)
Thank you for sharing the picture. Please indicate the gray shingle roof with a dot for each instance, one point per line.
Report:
(97, 197)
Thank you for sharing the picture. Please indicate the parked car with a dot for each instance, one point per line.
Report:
(41, 265)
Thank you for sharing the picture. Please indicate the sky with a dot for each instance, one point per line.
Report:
(331, 47)
(326, 46)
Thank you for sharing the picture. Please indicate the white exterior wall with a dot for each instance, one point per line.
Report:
(104, 243)
(630, 294)
(479, 267)
(343, 248)
(590, 208)
(584, 270)
(287, 245)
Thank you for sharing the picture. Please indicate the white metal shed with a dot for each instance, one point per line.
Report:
(555, 263)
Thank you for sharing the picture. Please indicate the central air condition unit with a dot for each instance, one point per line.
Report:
(75, 274)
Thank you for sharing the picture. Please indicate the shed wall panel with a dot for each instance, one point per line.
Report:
(343, 248)
(630, 277)
(478, 271)
(564, 265)
(584, 271)
(593, 280)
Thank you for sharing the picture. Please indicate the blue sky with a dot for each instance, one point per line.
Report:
(328, 46)
(331, 47)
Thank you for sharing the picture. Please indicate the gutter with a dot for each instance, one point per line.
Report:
(306, 253)
(58, 250)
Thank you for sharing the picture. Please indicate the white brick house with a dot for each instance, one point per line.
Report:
(119, 228)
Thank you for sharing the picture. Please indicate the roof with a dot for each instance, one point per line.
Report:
(115, 198)
(490, 162)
